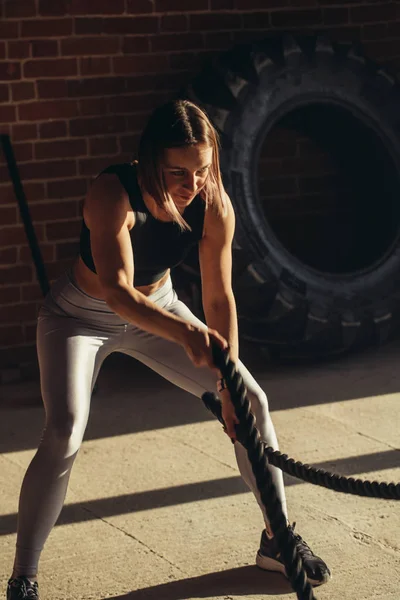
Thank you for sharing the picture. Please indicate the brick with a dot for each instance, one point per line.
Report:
(46, 251)
(68, 188)
(52, 88)
(23, 152)
(373, 13)
(18, 10)
(12, 236)
(213, 22)
(67, 250)
(129, 144)
(19, 49)
(7, 114)
(180, 5)
(58, 67)
(46, 28)
(44, 48)
(10, 294)
(184, 60)
(30, 332)
(134, 123)
(18, 274)
(13, 357)
(8, 256)
(177, 42)
(49, 8)
(135, 44)
(93, 106)
(142, 63)
(137, 7)
(335, 16)
(8, 30)
(296, 18)
(96, 86)
(92, 166)
(8, 216)
(131, 25)
(133, 103)
(41, 111)
(54, 270)
(257, 4)
(217, 41)
(224, 5)
(51, 169)
(60, 149)
(97, 126)
(103, 146)
(18, 312)
(10, 71)
(53, 129)
(95, 66)
(24, 131)
(174, 23)
(256, 20)
(4, 93)
(32, 191)
(63, 230)
(79, 46)
(10, 334)
(90, 26)
(24, 90)
(154, 82)
(117, 25)
(96, 7)
(32, 291)
(2, 50)
(46, 212)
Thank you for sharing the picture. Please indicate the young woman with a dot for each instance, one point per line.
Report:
(139, 221)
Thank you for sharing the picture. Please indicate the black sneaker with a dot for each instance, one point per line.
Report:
(21, 588)
(268, 558)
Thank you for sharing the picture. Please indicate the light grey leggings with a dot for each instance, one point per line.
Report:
(75, 334)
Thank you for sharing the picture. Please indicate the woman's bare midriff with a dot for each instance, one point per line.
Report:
(89, 281)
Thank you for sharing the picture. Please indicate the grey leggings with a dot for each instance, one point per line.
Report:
(75, 334)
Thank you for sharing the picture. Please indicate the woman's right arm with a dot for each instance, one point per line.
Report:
(108, 220)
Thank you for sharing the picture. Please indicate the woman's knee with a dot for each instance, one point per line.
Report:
(259, 404)
(64, 434)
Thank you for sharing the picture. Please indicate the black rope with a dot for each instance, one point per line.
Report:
(251, 440)
(25, 214)
(332, 481)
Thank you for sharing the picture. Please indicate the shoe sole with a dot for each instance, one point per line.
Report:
(270, 564)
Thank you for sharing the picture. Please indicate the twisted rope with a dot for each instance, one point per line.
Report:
(332, 481)
(251, 440)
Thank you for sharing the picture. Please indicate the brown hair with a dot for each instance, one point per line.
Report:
(177, 124)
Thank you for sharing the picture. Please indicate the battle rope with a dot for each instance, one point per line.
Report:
(332, 481)
(251, 440)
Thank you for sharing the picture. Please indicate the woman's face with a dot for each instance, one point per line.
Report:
(185, 172)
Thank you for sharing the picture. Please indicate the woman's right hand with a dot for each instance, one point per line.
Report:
(198, 345)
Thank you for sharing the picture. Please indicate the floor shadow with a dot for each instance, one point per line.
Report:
(132, 398)
(194, 492)
(243, 581)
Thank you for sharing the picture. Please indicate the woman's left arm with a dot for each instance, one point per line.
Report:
(215, 254)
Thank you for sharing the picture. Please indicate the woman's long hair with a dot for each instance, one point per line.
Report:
(178, 124)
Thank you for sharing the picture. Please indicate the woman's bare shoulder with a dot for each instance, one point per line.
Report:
(107, 199)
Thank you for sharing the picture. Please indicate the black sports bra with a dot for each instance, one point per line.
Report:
(157, 245)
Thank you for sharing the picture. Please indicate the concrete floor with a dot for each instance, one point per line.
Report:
(156, 509)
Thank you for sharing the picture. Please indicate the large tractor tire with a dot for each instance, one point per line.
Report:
(293, 307)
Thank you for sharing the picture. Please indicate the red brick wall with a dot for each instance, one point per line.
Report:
(78, 79)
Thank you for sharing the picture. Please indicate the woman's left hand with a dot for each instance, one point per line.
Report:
(228, 414)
